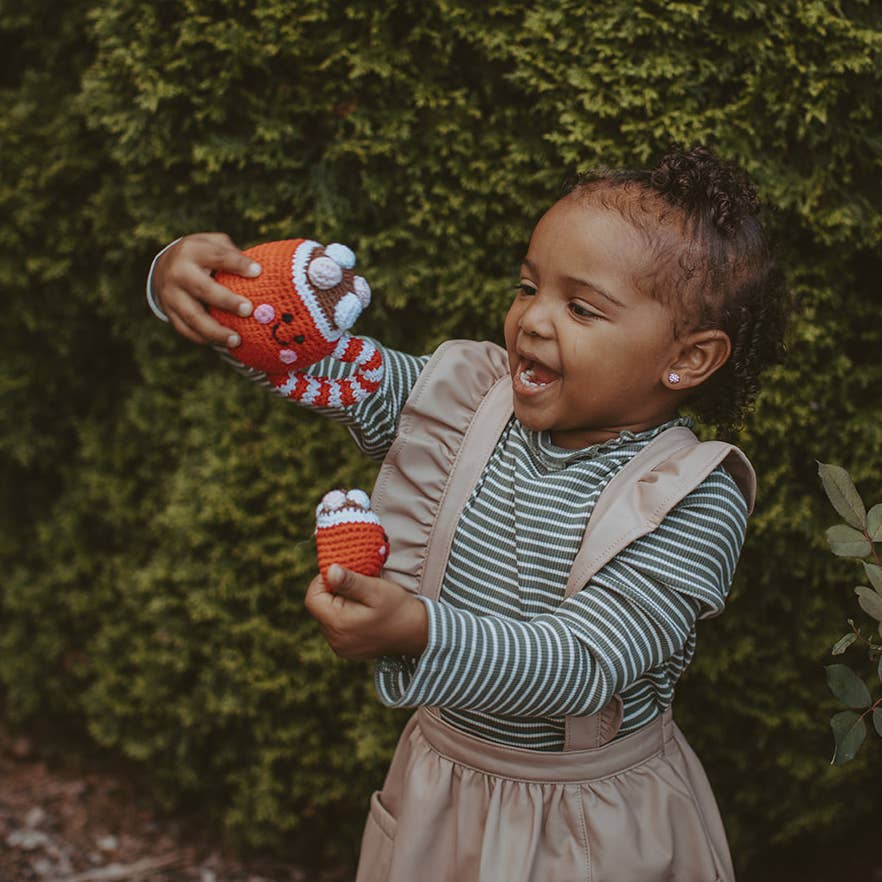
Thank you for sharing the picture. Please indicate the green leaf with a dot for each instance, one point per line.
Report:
(849, 732)
(874, 522)
(845, 684)
(870, 601)
(877, 720)
(874, 574)
(843, 643)
(848, 542)
(842, 494)
(879, 666)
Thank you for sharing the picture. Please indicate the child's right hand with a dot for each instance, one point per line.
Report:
(183, 286)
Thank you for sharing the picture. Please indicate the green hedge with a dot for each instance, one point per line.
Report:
(156, 515)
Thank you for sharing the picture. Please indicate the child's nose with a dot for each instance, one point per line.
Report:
(536, 318)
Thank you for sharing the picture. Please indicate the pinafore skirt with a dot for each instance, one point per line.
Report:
(457, 808)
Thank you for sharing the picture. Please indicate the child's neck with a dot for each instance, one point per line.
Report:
(575, 439)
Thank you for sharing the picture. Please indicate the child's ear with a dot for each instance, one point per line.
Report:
(701, 354)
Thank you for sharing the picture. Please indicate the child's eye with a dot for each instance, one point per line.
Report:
(583, 311)
(526, 289)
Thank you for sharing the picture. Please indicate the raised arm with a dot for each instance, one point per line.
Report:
(305, 297)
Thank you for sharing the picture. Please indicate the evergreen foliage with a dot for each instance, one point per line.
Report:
(157, 510)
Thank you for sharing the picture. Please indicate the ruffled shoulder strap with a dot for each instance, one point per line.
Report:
(448, 429)
(640, 495)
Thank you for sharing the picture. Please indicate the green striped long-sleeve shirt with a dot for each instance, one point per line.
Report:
(507, 655)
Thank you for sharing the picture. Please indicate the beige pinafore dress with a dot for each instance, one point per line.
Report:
(458, 808)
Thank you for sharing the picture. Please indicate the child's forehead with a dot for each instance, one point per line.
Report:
(608, 227)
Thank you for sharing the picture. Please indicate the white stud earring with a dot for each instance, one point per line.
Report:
(673, 378)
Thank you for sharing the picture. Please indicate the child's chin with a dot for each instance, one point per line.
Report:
(530, 421)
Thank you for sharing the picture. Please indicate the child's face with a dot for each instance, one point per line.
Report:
(588, 351)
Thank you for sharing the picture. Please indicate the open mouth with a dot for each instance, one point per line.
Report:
(533, 376)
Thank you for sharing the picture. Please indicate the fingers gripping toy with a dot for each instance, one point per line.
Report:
(305, 300)
(348, 532)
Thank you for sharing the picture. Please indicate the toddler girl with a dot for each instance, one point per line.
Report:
(556, 534)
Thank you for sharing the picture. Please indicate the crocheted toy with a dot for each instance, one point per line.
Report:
(348, 532)
(305, 300)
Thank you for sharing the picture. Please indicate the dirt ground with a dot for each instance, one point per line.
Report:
(91, 826)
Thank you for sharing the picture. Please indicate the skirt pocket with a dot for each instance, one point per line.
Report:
(644, 826)
(699, 833)
(376, 843)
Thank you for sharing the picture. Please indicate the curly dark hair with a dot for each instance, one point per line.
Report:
(711, 263)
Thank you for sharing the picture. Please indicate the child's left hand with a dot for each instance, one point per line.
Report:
(366, 617)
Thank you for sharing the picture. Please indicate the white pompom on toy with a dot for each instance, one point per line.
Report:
(333, 499)
(362, 291)
(359, 497)
(347, 311)
(341, 254)
(324, 273)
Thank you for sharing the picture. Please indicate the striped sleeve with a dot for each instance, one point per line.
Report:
(372, 422)
(638, 612)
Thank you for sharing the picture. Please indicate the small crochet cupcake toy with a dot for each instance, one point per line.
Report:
(305, 300)
(348, 532)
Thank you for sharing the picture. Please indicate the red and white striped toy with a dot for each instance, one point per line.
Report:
(305, 300)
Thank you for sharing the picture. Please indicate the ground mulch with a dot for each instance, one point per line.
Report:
(75, 825)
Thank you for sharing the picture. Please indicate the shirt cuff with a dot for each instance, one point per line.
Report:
(151, 300)
(399, 680)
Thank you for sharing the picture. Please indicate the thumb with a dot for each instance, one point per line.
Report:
(349, 584)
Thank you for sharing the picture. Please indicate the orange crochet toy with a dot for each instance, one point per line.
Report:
(305, 300)
(348, 532)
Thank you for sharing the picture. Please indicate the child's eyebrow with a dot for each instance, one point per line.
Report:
(595, 287)
(583, 282)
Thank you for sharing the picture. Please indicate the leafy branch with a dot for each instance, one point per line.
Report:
(856, 538)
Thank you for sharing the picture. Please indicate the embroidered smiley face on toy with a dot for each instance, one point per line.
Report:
(348, 532)
(305, 300)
